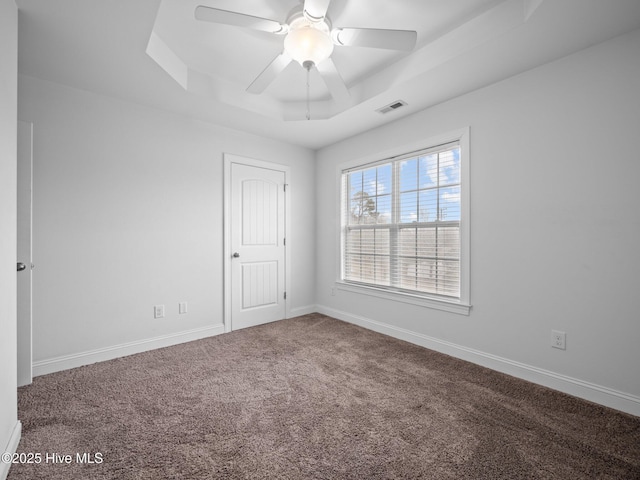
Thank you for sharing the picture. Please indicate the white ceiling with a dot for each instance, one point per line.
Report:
(101, 45)
(204, 47)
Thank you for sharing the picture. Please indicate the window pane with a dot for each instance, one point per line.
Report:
(408, 175)
(438, 276)
(367, 268)
(384, 184)
(428, 200)
(367, 241)
(449, 242)
(407, 241)
(426, 242)
(353, 241)
(427, 275)
(384, 209)
(352, 267)
(450, 203)
(355, 183)
(409, 207)
(450, 167)
(382, 242)
(428, 171)
(448, 278)
(382, 270)
(407, 274)
(363, 208)
(367, 256)
(370, 196)
(369, 182)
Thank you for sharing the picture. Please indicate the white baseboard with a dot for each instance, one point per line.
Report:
(608, 397)
(11, 447)
(42, 367)
(296, 312)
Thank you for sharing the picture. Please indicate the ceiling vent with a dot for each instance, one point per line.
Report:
(392, 106)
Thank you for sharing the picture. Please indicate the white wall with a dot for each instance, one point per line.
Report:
(128, 207)
(9, 426)
(554, 228)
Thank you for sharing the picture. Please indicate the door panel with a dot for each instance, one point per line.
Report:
(259, 213)
(259, 284)
(257, 237)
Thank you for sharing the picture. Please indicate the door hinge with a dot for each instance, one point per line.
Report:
(285, 186)
(284, 242)
(285, 295)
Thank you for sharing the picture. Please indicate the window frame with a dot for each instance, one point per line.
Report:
(450, 304)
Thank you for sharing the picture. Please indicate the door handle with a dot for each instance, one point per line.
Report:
(236, 255)
(21, 266)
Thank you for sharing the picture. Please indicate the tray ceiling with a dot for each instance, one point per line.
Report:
(105, 47)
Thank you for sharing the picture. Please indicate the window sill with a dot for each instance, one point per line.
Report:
(428, 302)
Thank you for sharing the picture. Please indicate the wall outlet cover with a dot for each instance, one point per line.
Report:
(558, 339)
(158, 311)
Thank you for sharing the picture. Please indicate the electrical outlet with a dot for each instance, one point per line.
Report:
(182, 308)
(333, 291)
(558, 339)
(158, 311)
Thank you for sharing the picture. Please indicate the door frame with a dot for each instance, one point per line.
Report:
(230, 159)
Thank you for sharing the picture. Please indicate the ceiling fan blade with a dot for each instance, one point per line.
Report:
(334, 81)
(375, 38)
(225, 17)
(316, 9)
(269, 74)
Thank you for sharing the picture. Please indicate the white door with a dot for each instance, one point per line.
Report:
(24, 252)
(257, 245)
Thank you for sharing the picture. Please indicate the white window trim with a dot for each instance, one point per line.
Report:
(419, 300)
(461, 306)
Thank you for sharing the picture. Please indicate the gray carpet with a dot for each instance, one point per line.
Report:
(314, 398)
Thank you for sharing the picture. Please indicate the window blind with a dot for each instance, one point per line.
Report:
(401, 223)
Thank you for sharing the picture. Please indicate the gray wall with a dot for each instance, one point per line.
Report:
(8, 142)
(128, 205)
(554, 225)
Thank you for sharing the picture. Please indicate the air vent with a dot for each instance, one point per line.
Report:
(392, 106)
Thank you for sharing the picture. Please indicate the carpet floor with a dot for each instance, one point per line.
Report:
(312, 398)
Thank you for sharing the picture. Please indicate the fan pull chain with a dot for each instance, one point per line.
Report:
(307, 65)
(308, 107)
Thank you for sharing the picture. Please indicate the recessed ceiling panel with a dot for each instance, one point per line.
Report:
(238, 55)
(462, 45)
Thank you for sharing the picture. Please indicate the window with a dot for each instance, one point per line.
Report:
(402, 228)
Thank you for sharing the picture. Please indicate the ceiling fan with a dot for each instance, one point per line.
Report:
(309, 39)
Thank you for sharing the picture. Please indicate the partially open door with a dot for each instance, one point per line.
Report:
(24, 261)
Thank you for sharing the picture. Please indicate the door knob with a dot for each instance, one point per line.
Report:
(21, 266)
(236, 255)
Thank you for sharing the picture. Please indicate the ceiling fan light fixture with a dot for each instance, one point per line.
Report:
(308, 42)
